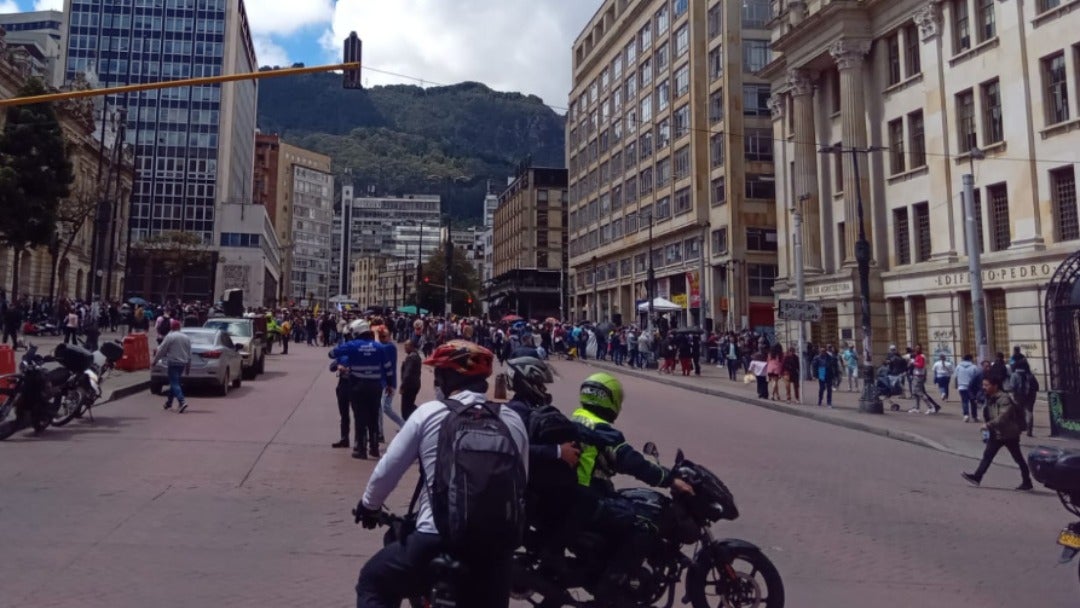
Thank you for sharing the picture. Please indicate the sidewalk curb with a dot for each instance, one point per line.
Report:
(125, 391)
(801, 411)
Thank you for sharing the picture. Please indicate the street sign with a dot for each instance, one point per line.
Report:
(799, 310)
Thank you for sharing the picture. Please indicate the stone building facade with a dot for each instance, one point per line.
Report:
(915, 86)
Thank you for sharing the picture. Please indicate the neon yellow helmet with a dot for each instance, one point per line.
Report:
(602, 392)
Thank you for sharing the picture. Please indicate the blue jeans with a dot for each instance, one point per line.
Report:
(943, 384)
(388, 409)
(176, 371)
(965, 402)
(824, 387)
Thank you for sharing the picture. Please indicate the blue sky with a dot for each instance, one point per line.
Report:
(510, 45)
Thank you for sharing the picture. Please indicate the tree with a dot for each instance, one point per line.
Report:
(35, 175)
(174, 253)
(71, 216)
(465, 283)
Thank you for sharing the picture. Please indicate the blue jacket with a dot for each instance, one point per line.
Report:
(391, 363)
(367, 361)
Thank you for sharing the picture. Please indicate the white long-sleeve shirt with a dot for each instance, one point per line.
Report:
(419, 438)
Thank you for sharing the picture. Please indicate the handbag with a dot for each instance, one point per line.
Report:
(748, 378)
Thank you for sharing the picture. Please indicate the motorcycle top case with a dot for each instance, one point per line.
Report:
(1056, 468)
(75, 358)
(112, 351)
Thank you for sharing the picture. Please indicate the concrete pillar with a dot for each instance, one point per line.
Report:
(849, 56)
(801, 86)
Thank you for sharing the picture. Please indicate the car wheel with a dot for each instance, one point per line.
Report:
(223, 390)
(239, 379)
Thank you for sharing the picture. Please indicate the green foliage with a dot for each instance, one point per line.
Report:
(397, 137)
(35, 175)
(465, 283)
(175, 254)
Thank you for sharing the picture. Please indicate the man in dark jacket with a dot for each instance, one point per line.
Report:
(12, 318)
(410, 379)
(1004, 427)
(824, 369)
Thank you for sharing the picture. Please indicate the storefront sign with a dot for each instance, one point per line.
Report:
(1018, 272)
(680, 299)
(825, 290)
(693, 284)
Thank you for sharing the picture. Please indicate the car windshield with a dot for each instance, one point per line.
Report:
(205, 338)
(233, 328)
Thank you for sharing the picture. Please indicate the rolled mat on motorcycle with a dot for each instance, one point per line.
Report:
(1059, 470)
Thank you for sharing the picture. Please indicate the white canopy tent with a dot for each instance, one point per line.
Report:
(659, 305)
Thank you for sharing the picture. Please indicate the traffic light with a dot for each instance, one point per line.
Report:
(427, 280)
(468, 301)
(353, 52)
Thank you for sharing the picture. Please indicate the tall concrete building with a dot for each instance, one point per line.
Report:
(923, 83)
(194, 146)
(42, 31)
(297, 188)
(670, 160)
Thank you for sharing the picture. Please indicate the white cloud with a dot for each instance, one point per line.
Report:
(510, 45)
(48, 5)
(285, 17)
(269, 53)
(9, 6)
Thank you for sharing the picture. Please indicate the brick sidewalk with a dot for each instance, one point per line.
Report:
(945, 431)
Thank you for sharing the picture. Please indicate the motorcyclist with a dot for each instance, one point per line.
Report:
(400, 569)
(601, 397)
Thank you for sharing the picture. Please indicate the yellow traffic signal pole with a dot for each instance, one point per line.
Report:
(190, 82)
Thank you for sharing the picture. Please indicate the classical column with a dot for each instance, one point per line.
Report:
(849, 56)
(807, 195)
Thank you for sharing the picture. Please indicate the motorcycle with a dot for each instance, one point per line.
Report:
(732, 572)
(31, 394)
(81, 390)
(1059, 470)
(40, 327)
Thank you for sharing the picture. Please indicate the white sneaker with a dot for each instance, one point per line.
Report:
(913, 410)
(930, 411)
(967, 418)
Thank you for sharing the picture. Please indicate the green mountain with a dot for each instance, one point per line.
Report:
(407, 139)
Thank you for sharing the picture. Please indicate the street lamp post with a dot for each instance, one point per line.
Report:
(595, 296)
(800, 285)
(868, 401)
(974, 251)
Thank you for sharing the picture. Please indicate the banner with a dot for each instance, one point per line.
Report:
(680, 299)
(693, 287)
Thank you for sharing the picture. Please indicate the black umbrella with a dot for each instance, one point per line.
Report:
(604, 327)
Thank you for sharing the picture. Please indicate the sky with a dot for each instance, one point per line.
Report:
(509, 45)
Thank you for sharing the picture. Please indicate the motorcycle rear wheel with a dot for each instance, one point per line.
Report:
(757, 582)
(70, 407)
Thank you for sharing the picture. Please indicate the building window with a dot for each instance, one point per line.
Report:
(917, 135)
(716, 63)
(761, 239)
(646, 109)
(646, 145)
(645, 180)
(680, 7)
(682, 162)
(961, 26)
(1056, 87)
(922, 232)
(662, 58)
(682, 201)
(663, 95)
(663, 134)
(682, 40)
(682, 80)
(716, 106)
(756, 14)
(761, 278)
(912, 50)
(662, 20)
(1045, 5)
(1063, 191)
(719, 241)
(838, 170)
(645, 39)
(760, 186)
(756, 55)
(998, 323)
(985, 14)
(646, 73)
(756, 100)
(841, 239)
(719, 191)
(663, 172)
(892, 47)
(999, 217)
(663, 209)
(993, 130)
(716, 149)
(715, 18)
(901, 236)
(896, 146)
(682, 121)
(965, 121)
(758, 145)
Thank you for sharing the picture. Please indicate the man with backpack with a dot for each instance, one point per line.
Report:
(474, 455)
(1024, 388)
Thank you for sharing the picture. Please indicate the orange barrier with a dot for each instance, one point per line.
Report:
(7, 360)
(136, 353)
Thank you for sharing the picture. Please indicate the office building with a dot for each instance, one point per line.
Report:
(296, 187)
(670, 162)
(41, 34)
(922, 84)
(194, 146)
(529, 246)
(249, 254)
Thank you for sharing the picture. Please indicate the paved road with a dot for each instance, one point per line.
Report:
(241, 502)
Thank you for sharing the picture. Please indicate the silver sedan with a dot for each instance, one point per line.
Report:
(214, 362)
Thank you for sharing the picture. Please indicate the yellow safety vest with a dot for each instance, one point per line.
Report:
(593, 463)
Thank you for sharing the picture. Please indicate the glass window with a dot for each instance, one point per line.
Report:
(682, 162)
(761, 278)
(663, 208)
(716, 20)
(917, 135)
(682, 201)
(646, 109)
(663, 133)
(716, 149)
(716, 106)
(761, 239)
(760, 186)
(719, 241)
(961, 26)
(756, 54)
(682, 80)
(901, 236)
(756, 14)
(1056, 86)
(892, 46)
(682, 121)
(682, 40)
(716, 63)
(662, 20)
(984, 11)
(1063, 191)
(663, 95)
(897, 160)
(645, 39)
(965, 121)
(922, 232)
(1001, 229)
(912, 50)
(756, 100)
(993, 130)
(758, 144)
(680, 7)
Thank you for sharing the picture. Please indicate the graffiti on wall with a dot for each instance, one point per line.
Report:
(941, 341)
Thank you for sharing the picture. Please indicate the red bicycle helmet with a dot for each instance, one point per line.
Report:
(462, 357)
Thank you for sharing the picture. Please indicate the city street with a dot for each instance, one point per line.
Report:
(242, 502)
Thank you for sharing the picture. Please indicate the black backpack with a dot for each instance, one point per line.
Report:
(478, 497)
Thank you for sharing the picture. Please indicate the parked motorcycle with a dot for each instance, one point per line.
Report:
(727, 573)
(29, 397)
(1059, 470)
(82, 388)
